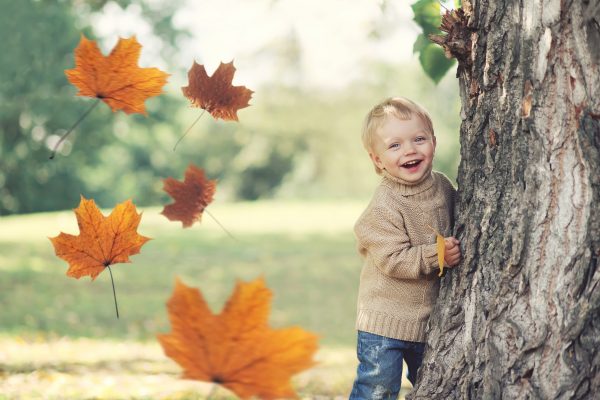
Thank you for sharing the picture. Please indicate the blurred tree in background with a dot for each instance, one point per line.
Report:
(37, 105)
(295, 140)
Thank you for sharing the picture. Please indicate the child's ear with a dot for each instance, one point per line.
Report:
(376, 160)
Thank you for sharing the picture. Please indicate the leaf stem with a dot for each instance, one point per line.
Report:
(188, 129)
(72, 128)
(217, 221)
(114, 293)
(434, 230)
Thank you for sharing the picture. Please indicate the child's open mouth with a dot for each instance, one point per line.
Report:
(412, 165)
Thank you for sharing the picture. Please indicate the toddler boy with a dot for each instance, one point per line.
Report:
(399, 280)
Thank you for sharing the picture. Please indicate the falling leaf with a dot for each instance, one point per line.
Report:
(216, 94)
(191, 196)
(115, 79)
(441, 249)
(102, 241)
(236, 348)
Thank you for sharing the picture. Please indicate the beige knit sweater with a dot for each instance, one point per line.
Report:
(399, 282)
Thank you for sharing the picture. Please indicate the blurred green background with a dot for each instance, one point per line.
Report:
(292, 179)
(295, 140)
(304, 250)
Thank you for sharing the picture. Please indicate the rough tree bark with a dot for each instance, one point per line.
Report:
(520, 317)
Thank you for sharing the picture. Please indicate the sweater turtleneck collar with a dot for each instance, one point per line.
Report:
(410, 188)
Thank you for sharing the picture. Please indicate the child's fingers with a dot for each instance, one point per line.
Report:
(452, 251)
(451, 242)
(453, 261)
(452, 256)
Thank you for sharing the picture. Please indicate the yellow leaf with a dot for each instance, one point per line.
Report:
(441, 248)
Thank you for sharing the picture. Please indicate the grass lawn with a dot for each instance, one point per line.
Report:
(304, 251)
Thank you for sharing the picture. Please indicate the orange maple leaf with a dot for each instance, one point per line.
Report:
(191, 196)
(216, 94)
(102, 241)
(115, 79)
(236, 348)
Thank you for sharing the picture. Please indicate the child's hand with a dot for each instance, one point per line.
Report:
(452, 253)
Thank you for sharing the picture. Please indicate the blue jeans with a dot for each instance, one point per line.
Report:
(379, 373)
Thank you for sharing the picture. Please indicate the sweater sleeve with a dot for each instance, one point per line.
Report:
(381, 235)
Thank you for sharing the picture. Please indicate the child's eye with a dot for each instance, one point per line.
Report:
(420, 139)
(394, 146)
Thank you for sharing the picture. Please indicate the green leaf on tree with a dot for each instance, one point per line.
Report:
(427, 16)
(421, 42)
(434, 62)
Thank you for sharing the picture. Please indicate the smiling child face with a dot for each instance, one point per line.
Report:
(404, 148)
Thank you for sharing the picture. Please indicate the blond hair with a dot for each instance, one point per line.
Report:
(399, 107)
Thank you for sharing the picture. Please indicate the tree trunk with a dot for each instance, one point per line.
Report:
(519, 318)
